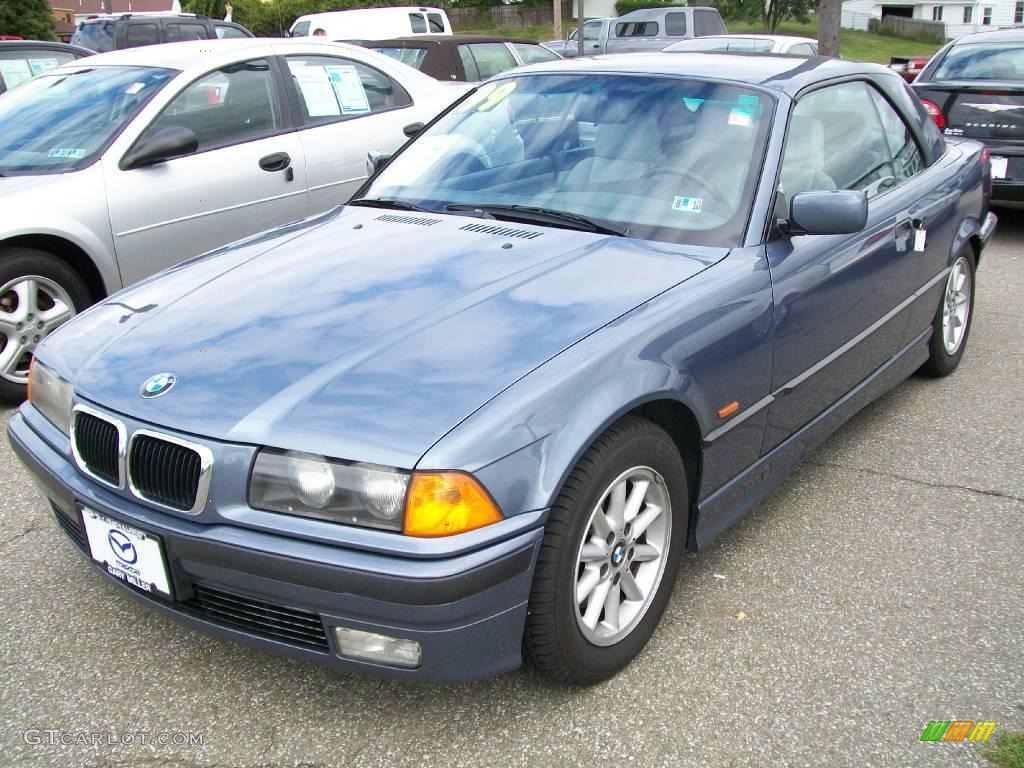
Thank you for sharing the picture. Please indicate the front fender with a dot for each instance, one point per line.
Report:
(701, 344)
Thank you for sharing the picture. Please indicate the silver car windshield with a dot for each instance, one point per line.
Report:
(656, 158)
(62, 121)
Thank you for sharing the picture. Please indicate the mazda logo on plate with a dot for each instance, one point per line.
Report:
(158, 385)
(122, 547)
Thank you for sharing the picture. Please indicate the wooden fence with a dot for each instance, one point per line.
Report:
(507, 16)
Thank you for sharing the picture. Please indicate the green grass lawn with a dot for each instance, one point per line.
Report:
(857, 46)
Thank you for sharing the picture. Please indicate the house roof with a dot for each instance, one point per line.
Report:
(117, 6)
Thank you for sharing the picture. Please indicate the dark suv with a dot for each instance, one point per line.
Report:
(130, 30)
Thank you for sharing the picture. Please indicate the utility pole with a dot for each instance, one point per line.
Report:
(579, 28)
(830, 14)
(557, 12)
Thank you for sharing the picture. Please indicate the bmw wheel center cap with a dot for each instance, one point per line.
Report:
(158, 385)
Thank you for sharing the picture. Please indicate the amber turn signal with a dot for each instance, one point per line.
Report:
(446, 503)
(28, 393)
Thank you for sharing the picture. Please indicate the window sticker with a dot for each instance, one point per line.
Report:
(134, 88)
(687, 204)
(14, 72)
(740, 116)
(38, 66)
(316, 90)
(77, 154)
(349, 89)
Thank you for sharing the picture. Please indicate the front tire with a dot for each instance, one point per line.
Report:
(38, 293)
(952, 323)
(612, 548)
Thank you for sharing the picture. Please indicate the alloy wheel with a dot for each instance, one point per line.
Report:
(956, 306)
(31, 306)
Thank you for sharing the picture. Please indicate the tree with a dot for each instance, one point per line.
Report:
(829, 17)
(31, 19)
(774, 12)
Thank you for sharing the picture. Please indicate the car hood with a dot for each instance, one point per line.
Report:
(365, 334)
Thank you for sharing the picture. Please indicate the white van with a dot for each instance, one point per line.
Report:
(373, 23)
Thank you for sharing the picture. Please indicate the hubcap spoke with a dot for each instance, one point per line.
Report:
(593, 551)
(56, 315)
(630, 588)
(645, 553)
(27, 292)
(611, 607)
(635, 500)
(589, 580)
(617, 506)
(596, 604)
(643, 522)
(10, 356)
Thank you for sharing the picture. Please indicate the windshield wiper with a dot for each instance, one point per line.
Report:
(536, 215)
(384, 202)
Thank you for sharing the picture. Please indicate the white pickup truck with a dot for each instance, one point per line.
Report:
(650, 29)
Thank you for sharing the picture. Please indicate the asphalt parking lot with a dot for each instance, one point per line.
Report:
(880, 588)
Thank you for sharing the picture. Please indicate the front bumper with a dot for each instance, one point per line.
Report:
(466, 611)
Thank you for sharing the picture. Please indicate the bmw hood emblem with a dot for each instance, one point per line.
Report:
(157, 385)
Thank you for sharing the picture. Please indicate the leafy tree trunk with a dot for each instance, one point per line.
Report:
(30, 19)
(829, 17)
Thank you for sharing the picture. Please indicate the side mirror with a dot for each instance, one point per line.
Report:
(825, 212)
(166, 144)
(412, 129)
(375, 160)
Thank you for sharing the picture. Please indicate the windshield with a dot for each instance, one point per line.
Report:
(982, 62)
(61, 121)
(651, 157)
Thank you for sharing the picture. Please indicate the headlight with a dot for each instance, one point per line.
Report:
(51, 395)
(312, 486)
(425, 504)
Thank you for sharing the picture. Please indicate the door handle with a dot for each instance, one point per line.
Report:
(910, 234)
(275, 162)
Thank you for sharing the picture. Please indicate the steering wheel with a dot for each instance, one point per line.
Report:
(707, 183)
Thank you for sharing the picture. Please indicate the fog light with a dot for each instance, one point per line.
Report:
(369, 646)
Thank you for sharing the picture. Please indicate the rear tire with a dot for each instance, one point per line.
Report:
(626, 554)
(951, 326)
(38, 293)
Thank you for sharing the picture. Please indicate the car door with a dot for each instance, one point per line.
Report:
(248, 174)
(840, 300)
(345, 109)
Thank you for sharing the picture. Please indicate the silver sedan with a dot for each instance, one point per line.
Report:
(126, 163)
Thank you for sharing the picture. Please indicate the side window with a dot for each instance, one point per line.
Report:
(18, 65)
(179, 32)
(228, 106)
(802, 49)
(531, 54)
(906, 157)
(591, 31)
(707, 23)
(141, 34)
(675, 24)
(332, 88)
(491, 58)
(418, 23)
(836, 141)
(469, 64)
(436, 23)
(224, 32)
(301, 29)
(637, 29)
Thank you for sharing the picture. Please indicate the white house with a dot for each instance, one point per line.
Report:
(960, 17)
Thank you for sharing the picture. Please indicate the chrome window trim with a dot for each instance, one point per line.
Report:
(205, 472)
(122, 445)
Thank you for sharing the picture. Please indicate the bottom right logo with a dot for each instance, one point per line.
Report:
(958, 730)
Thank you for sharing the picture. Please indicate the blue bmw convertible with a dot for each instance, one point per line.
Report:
(579, 325)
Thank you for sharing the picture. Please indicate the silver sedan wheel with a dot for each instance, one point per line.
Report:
(622, 556)
(31, 306)
(956, 306)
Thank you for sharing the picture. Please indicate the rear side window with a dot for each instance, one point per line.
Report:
(19, 65)
(906, 157)
(141, 34)
(987, 61)
(707, 23)
(301, 29)
(469, 64)
(802, 49)
(332, 88)
(412, 57)
(436, 22)
(97, 36)
(418, 23)
(531, 54)
(226, 32)
(637, 29)
(750, 45)
(491, 58)
(675, 24)
(179, 32)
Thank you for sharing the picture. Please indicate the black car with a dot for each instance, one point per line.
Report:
(24, 59)
(462, 58)
(130, 30)
(975, 87)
